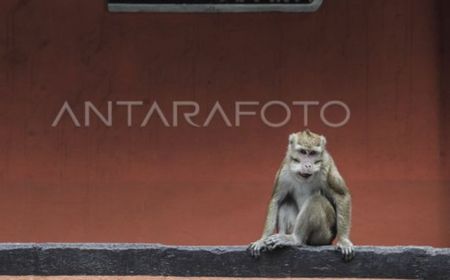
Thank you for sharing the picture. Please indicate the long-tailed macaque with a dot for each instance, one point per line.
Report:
(310, 204)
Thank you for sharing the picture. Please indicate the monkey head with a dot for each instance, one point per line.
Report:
(305, 154)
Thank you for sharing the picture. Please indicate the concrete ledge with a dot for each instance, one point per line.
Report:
(147, 259)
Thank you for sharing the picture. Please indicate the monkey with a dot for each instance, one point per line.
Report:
(310, 203)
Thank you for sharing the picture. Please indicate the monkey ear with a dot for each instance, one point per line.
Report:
(291, 138)
(323, 141)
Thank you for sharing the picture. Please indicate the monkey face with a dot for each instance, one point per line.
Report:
(305, 153)
(305, 163)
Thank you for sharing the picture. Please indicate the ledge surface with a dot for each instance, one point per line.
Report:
(235, 261)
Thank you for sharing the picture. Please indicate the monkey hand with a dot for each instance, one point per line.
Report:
(346, 248)
(280, 240)
(256, 247)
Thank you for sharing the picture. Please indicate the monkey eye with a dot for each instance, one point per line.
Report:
(295, 160)
(312, 153)
(303, 152)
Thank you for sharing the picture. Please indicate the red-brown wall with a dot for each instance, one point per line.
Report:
(186, 185)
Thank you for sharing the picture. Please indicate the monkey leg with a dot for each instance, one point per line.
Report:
(316, 222)
(314, 225)
(287, 215)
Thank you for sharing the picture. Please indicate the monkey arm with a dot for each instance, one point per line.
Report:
(278, 195)
(343, 222)
(271, 220)
(343, 215)
(259, 245)
(342, 200)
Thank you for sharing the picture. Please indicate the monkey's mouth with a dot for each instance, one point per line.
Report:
(305, 175)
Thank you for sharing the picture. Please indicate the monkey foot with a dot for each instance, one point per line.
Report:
(280, 240)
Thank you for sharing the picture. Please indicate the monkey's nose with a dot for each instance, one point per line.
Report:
(308, 165)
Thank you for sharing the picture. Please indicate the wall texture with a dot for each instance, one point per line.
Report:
(388, 60)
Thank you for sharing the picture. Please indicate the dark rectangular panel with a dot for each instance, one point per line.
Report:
(181, 6)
